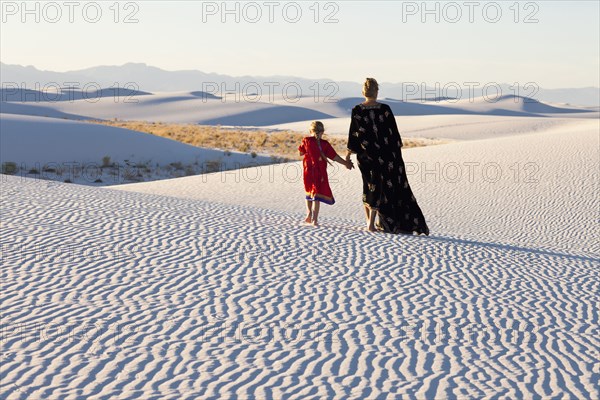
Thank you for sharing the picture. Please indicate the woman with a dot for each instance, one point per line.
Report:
(375, 139)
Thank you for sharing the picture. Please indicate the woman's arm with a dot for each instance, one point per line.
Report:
(348, 153)
(395, 131)
(353, 135)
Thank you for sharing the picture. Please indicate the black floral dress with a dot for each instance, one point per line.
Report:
(375, 139)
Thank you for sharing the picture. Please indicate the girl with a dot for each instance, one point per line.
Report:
(316, 152)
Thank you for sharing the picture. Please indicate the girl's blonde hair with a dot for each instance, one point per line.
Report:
(370, 87)
(318, 127)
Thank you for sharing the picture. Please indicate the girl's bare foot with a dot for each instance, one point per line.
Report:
(315, 224)
(371, 228)
(308, 219)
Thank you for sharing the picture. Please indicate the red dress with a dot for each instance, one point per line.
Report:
(316, 183)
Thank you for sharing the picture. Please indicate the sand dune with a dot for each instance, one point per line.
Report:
(20, 95)
(192, 108)
(267, 116)
(39, 110)
(508, 105)
(204, 287)
(34, 142)
(247, 109)
(515, 105)
(155, 79)
(449, 126)
(518, 189)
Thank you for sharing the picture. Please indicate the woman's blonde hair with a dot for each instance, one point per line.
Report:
(370, 87)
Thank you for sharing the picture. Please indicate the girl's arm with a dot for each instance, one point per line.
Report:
(347, 163)
(302, 148)
(330, 153)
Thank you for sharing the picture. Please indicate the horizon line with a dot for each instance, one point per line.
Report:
(247, 75)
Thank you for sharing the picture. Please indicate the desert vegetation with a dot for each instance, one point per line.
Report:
(279, 144)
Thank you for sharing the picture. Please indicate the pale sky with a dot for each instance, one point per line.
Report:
(384, 39)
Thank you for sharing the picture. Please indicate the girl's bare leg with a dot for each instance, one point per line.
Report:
(367, 214)
(308, 218)
(315, 212)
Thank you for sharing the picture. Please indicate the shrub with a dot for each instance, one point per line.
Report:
(129, 174)
(177, 165)
(244, 147)
(105, 161)
(282, 144)
(9, 168)
(212, 166)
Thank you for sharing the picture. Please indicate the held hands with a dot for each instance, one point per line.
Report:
(348, 163)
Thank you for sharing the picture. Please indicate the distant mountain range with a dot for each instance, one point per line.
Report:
(142, 77)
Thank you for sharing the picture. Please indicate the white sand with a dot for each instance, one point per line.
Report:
(245, 110)
(78, 149)
(497, 189)
(198, 288)
(453, 127)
